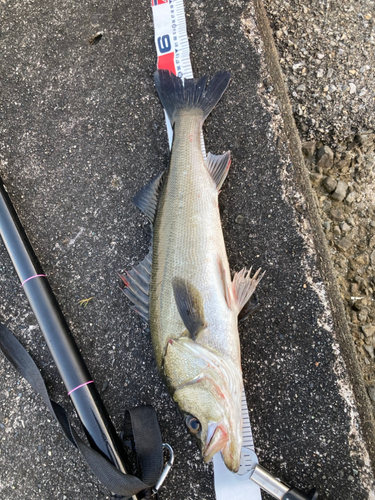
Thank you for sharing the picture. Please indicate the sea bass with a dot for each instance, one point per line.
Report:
(183, 288)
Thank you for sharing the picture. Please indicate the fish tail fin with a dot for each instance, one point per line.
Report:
(176, 94)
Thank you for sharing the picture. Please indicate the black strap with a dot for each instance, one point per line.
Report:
(140, 426)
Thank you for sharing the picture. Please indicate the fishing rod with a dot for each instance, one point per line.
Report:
(80, 386)
(278, 489)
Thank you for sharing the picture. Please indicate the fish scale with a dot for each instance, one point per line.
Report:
(188, 219)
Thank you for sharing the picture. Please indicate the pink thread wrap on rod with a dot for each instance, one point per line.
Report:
(35, 276)
(78, 386)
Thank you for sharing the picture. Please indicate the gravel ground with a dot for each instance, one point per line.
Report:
(327, 55)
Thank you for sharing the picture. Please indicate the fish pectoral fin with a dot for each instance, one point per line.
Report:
(148, 197)
(137, 286)
(244, 286)
(190, 306)
(218, 166)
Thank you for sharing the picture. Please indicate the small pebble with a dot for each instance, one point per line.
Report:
(370, 350)
(340, 191)
(371, 392)
(324, 158)
(315, 178)
(327, 205)
(308, 148)
(361, 260)
(105, 386)
(337, 214)
(345, 227)
(363, 315)
(240, 219)
(329, 184)
(368, 330)
(344, 244)
(351, 197)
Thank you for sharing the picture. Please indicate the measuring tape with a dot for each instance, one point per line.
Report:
(172, 47)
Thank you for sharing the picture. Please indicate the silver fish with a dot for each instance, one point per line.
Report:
(184, 288)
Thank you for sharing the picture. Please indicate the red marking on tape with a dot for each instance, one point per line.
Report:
(166, 61)
(154, 3)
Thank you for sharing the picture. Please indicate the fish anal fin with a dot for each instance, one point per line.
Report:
(244, 286)
(137, 286)
(190, 306)
(147, 198)
(218, 166)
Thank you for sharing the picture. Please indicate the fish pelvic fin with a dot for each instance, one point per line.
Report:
(176, 94)
(244, 286)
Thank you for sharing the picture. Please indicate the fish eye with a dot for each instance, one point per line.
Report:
(193, 424)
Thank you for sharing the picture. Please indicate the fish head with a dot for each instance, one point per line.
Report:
(208, 391)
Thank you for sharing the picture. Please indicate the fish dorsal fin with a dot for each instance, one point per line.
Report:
(137, 286)
(218, 166)
(147, 198)
(244, 286)
(190, 306)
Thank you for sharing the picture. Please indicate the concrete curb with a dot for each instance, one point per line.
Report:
(344, 336)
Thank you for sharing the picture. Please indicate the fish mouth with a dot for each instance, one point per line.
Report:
(218, 440)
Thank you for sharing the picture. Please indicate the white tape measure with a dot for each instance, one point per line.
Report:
(172, 47)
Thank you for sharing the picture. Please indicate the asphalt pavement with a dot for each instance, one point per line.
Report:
(81, 131)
